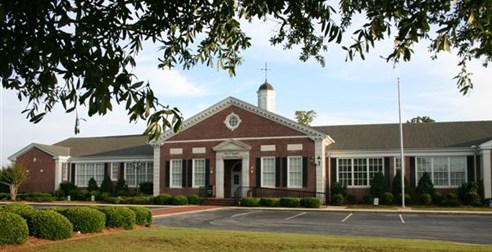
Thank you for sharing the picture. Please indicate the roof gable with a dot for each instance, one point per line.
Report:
(54, 151)
(231, 145)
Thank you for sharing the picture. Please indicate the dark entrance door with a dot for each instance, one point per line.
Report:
(232, 176)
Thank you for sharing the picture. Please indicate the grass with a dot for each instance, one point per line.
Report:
(461, 208)
(188, 239)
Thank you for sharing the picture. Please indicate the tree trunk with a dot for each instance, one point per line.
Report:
(13, 192)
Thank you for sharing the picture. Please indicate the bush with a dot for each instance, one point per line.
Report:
(4, 196)
(250, 202)
(337, 199)
(36, 197)
(67, 187)
(450, 203)
(437, 197)
(193, 199)
(92, 185)
(85, 219)
(163, 199)
(473, 199)
(425, 199)
(143, 216)
(310, 202)
(137, 200)
(13, 229)
(351, 199)
(378, 185)
(59, 194)
(425, 185)
(106, 186)
(121, 187)
(452, 196)
(119, 217)
(146, 188)
(270, 202)
(179, 200)
(24, 210)
(289, 202)
(368, 199)
(408, 199)
(468, 193)
(387, 198)
(48, 224)
(396, 185)
(338, 188)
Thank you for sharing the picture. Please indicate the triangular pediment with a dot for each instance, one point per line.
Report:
(232, 145)
(486, 145)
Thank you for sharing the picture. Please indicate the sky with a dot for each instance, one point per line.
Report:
(357, 92)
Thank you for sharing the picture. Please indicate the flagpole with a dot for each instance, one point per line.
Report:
(402, 157)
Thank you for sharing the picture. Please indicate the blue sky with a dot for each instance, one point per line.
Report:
(358, 92)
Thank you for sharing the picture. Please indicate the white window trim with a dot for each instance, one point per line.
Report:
(171, 185)
(77, 169)
(432, 171)
(352, 171)
(227, 121)
(65, 171)
(111, 171)
(288, 172)
(274, 173)
(193, 173)
(142, 165)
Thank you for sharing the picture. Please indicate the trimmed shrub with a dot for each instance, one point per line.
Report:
(408, 199)
(121, 187)
(163, 199)
(425, 199)
(59, 194)
(13, 229)
(4, 196)
(85, 219)
(179, 200)
(143, 216)
(24, 210)
(48, 224)
(35, 197)
(378, 185)
(387, 198)
(92, 185)
(450, 203)
(310, 202)
(368, 199)
(106, 186)
(119, 217)
(473, 199)
(425, 185)
(437, 197)
(337, 199)
(452, 196)
(338, 188)
(270, 202)
(289, 202)
(137, 200)
(351, 199)
(146, 188)
(193, 199)
(250, 202)
(67, 187)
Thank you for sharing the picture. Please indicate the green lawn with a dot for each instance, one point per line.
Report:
(186, 239)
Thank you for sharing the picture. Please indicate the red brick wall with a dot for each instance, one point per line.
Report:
(41, 167)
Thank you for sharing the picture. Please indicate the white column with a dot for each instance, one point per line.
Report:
(58, 173)
(319, 151)
(245, 173)
(486, 166)
(157, 170)
(219, 176)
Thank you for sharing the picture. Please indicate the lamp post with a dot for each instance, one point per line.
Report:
(402, 157)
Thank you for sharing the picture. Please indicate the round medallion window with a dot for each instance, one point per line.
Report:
(232, 121)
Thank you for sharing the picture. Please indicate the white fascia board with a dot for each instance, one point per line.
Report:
(486, 146)
(396, 152)
(111, 159)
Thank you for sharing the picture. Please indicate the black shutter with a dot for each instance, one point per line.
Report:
(72, 174)
(207, 172)
(387, 173)
(333, 170)
(183, 173)
(168, 173)
(284, 172)
(106, 168)
(258, 172)
(304, 172)
(277, 172)
(412, 172)
(190, 173)
(470, 167)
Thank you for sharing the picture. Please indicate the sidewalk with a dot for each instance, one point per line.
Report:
(168, 211)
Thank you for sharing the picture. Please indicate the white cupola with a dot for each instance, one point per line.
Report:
(266, 97)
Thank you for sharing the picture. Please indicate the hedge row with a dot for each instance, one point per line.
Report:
(18, 220)
(282, 202)
(163, 199)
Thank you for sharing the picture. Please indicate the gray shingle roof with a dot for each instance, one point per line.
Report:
(132, 145)
(55, 150)
(416, 135)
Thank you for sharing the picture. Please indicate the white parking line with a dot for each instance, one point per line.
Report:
(401, 218)
(294, 216)
(242, 214)
(346, 218)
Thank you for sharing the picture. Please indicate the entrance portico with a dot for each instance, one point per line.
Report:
(231, 150)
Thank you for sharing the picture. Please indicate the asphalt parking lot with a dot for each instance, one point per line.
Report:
(446, 227)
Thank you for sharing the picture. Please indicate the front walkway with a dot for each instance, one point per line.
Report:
(182, 209)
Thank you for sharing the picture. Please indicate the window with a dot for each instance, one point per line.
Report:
(444, 171)
(268, 172)
(397, 164)
(84, 172)
(114, 171)
(64, 172)
(294, 172)
(198, 172)
(137, 173)
(176, 173)
(358, 171)
(232, 121)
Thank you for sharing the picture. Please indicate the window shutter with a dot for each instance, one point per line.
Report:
(470, 168)
(333, 170)
(207, 172)
(284, 171)
(412, 172)
(258, 172)
(277, 172)
(183, 173)
(304, 172)
(106, 168)
(190, 173)
(168, 172)
(72, 173)
(387, 173)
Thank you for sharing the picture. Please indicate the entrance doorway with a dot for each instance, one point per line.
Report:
(232, 176)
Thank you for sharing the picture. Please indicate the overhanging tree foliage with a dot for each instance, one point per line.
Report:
(81, 53)
(305, 117)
